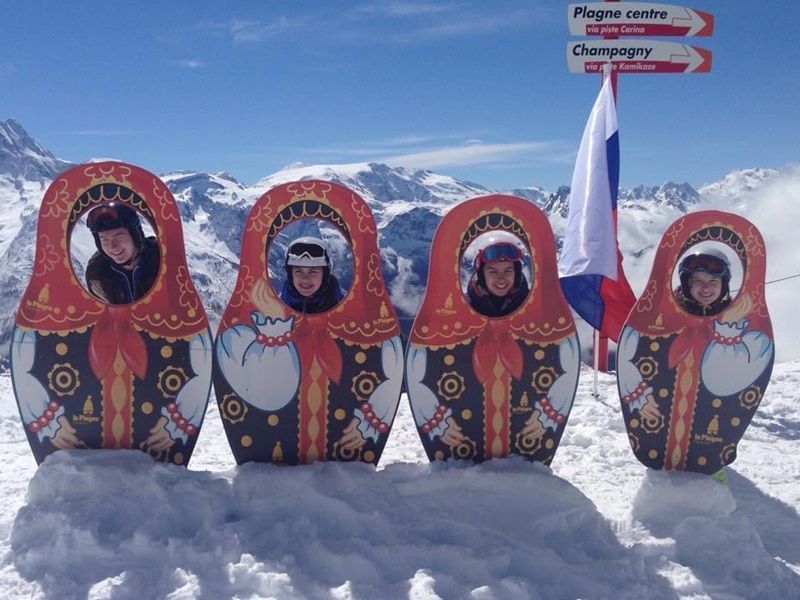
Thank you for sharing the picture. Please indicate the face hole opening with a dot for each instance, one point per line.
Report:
(707, 278)
(308, 285)
(495, 273)
(118, 259)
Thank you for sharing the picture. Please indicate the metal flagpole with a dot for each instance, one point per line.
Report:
(596, 391)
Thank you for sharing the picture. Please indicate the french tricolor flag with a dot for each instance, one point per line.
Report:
(590, 266)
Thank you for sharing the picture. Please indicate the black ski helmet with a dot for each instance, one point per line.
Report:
(709, 261)
(112, 216)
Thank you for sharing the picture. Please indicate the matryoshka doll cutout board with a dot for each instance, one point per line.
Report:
(293, 388)
(485, 387)
(689, 384)
(89, 374)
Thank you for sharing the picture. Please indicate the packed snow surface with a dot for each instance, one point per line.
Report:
(114, 524)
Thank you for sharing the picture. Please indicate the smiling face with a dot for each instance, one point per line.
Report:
(307, 280)
(705, 288)
(118, 245)
(499, 277)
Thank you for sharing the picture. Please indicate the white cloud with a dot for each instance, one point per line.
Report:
(465, 154)
(774, 209)
(406, 9)
(101, 132)
(452, 150)
(476, 24)
(190, 63)
(467, 24)
(392, 22)
(245, 32)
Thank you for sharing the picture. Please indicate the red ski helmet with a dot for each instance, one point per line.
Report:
(495, 249)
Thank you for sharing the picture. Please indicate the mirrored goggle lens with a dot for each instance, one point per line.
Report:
(303, 250)
(497, 252)
(708, 264)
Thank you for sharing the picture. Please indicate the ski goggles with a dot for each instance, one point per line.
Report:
(497, 252)
(303, 254)
(706, 263)
(304, 250)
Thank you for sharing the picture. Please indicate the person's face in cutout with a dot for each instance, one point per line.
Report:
(705, 288)
(499, 277)
(119, 246)
(307, 280)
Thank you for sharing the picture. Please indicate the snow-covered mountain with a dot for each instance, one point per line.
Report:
(737, 183)
(407, 204)
(26, 169)
(22, 158)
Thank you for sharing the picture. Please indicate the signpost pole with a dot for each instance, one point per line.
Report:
(601, 341)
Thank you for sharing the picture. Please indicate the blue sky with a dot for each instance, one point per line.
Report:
(477, 90)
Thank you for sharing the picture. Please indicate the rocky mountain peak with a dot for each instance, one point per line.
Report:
(22, 157)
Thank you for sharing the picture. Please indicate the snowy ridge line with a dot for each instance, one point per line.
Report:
(408, 205)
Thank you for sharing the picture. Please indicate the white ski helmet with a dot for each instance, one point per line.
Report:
(307, 251)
